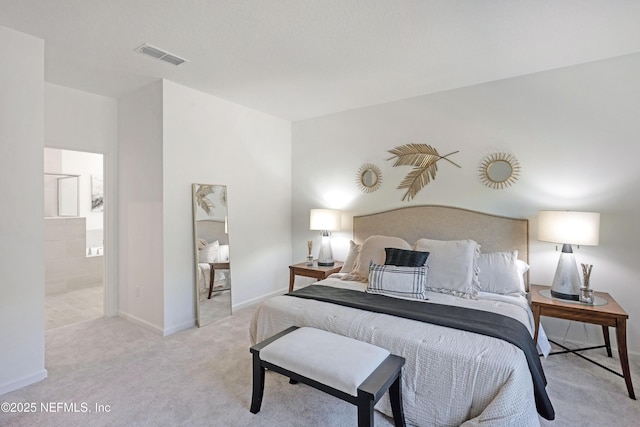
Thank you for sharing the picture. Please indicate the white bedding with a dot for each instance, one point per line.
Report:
(450, 378)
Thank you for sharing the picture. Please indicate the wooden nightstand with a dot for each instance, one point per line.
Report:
(607, 315)
(216, 266)
(314, 271)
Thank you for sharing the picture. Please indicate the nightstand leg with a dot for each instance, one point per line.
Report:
(621, 335)
(292, 279)
(607, 342)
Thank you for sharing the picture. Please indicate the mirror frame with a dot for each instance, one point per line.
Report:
(210, 202)
(369, 168)
(492, 181)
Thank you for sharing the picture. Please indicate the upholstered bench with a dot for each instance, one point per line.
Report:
(357, 372)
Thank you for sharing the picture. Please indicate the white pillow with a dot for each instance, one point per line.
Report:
(202, 243)
(523, 267)
(209, 253)
(349, 263)
(452, 266)
(223, 254)
(403, 282)
(373, 250)
(499, 273)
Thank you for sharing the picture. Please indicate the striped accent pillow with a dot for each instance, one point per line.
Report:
(405, 282)
(405, 258)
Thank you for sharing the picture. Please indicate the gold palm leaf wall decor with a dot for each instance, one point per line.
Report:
(202, 200)
(423, 158)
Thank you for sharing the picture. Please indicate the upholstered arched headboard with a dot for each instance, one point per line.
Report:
(211, 231)
(494, 233)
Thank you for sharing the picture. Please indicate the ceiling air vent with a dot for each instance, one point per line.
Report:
(160, 54)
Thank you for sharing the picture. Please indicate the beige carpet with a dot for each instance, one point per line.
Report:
(202, 377)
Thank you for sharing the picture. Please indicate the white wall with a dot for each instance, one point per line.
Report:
(211, 141)
(170, 137)
(21, 210)
(140, 207)
(575, 132)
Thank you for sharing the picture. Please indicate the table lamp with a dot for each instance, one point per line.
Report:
(325, 220)
(568, 228)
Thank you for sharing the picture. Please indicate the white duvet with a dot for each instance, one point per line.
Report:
(450, 378)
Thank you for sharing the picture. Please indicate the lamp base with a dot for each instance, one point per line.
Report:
(326, 264)
(565, 296)
(566, 282)
(325, 255)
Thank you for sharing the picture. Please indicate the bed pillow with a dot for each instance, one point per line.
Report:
(202, 243)
(452, 266)
(373, 250)
(405, 258)
(498, 273)
(523, 267)
(354, 250)
(223, 254)
(404, 282)
(209, 253)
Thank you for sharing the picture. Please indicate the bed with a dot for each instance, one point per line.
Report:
(452, 377)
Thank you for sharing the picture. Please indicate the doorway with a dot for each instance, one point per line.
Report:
(74, 237)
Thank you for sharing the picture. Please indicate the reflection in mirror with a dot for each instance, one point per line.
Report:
(369, 178)
(499, 170)
(61, 194)
(211, 245)
(68, 196)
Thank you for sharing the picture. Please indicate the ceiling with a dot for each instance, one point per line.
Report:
(299, 59)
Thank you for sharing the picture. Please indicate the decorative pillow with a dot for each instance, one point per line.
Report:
(405, 258)
(499, 272)
(223, 254)
(523, 267)
(373, 250)
(405, 282)
(202, 243)
(452, 266)
(354, 250)
(209, 253)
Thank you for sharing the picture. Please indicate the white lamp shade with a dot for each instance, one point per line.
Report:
(325, 219)
(573, 228)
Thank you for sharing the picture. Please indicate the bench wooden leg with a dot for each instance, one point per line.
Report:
(365, 412)
(395, 395)
(258, 384)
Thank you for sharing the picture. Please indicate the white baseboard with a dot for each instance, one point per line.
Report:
(147, 325)
(181, 327)
(23, 382)
(258, 300)
(156, 329)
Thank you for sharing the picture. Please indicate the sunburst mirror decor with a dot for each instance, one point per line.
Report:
(369, 178)
(499, 170)
(423, 158)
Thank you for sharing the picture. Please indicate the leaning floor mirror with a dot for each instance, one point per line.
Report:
(211, 246)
